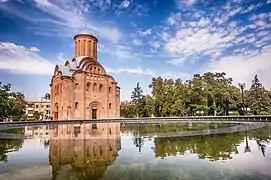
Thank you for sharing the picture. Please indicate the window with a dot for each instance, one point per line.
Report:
(37, 106)
(47, 106)
(110, 105)
(42, 106)
(109, 90)
(101, 88)
(30, 112)
(87, 88)
(95, 87)
(94, 126)
(30, 105)
(76, 105)
(76, 86)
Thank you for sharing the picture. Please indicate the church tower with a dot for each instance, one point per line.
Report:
(81, 88)
(85, 44)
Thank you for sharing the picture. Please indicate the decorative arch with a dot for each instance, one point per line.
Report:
(56, 69)
(95, 104)
(67, 63)
(111, 77)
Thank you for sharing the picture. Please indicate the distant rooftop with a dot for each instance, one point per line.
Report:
(37, 100)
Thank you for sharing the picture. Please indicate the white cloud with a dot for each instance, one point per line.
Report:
(186, 2)
(60, 58)
(146, 32)
(66, 17)
(137, 70)
(177, 61)
(137, 42)
(182, 76)
(174, 18)
(155, 44)
(244, 67)
(260, 23)
(22, 60)
(125, 4)
(188, 41)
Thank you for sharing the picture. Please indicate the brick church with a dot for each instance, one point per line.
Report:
(81, 88)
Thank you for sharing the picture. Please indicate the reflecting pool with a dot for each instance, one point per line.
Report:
(116, 152)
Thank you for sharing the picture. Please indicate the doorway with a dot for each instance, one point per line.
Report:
(94, 113)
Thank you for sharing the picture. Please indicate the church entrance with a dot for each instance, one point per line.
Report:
(94, 113)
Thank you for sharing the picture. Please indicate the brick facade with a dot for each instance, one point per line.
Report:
(81, 89)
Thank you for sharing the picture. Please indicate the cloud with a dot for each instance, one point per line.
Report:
(137, 42)
(155, 44)
(66, 17)
(137, 70)
(244, 67)
(125, 4)
(19, 59)
(176, 61)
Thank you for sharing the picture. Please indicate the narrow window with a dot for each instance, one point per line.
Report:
(87, 87)
(76, 105)
(109, 90)
(76, 86)
(101, 88)
(95, 87)
(110, 105)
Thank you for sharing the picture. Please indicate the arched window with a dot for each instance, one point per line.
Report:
(76, 105)
(91, 70)
(110, 105)
(98, 70)
(109, 89)
(76, 86)
(88, 86)
(95, 70)
(101, 88)
(95, 87)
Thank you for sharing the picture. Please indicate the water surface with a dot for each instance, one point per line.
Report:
(109, 151)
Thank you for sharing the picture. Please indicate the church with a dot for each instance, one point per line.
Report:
(81, 88)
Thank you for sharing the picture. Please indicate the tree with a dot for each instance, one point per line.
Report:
(12, 104)
(258, 99)
(136, 97)
(47, 96)
(37, 115)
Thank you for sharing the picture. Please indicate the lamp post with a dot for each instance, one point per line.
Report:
(242, 86)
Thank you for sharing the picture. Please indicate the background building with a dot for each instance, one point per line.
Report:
(81, 89)
(37, 107)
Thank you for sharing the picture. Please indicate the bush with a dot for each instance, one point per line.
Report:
(250, 114)
(264, 113)
(235, 113)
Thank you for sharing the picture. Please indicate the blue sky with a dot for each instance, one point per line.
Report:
(138, 39)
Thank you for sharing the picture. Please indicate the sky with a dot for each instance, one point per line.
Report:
(138, 40)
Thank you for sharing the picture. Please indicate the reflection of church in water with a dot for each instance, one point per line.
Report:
(83, 151)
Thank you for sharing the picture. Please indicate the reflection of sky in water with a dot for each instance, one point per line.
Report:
(32, 162)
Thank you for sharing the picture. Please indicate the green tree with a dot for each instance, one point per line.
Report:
(258, 98)
(12, 104)
(47, 96)
(137, 95)
(36, 115)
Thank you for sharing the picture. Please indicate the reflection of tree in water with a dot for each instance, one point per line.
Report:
(173, 127)
(10, 145)
(262, 137)
(138, 140)
(46, 144)
(213, 147)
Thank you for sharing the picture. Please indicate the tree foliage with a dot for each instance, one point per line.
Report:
(12, 104)
(211, 94)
